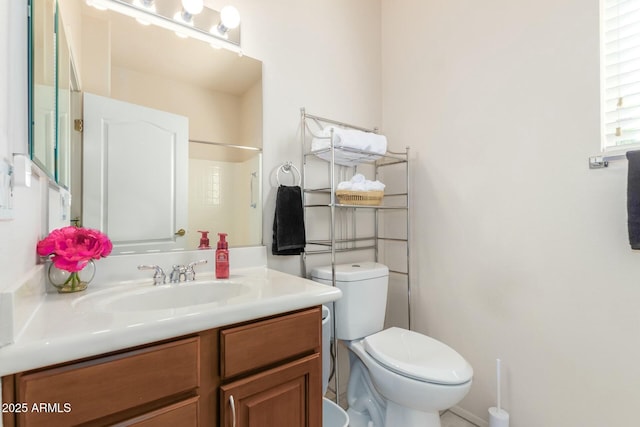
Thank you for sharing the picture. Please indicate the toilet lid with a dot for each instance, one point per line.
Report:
(418, 356)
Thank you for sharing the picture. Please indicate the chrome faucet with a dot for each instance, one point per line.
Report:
(181, 273)
(191, 273)
(178, 274)
(159, 278)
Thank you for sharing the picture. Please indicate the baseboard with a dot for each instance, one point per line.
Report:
(463, 413)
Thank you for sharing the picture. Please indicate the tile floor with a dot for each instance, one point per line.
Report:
(449, 419)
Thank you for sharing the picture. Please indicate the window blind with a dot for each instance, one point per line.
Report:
(621, 72)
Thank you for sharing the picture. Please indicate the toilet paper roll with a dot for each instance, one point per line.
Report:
(498, 417)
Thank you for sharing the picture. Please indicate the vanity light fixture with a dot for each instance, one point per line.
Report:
(193, 7)
(189, 9)
(229, 19)
(97, 4)
(191, 20)
(185, 17)
(148, 5)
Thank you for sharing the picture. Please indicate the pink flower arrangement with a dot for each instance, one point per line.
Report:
(73, 247)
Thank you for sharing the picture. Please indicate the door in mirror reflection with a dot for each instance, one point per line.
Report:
(135, 176)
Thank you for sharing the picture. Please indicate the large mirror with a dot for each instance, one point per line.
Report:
(121, 166)
(42, 79)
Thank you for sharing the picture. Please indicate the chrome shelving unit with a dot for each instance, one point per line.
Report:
(325, 198)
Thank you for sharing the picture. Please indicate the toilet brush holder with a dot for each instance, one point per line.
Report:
(498, 417)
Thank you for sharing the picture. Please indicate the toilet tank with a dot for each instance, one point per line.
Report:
(361, 310)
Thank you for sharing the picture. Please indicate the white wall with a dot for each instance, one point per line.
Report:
(321, 55)
(18, 237)
(522, 250)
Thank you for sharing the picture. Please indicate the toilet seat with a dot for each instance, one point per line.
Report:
(418, 356)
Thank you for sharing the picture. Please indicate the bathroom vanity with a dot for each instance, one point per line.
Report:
(238, 359)
(270, 369)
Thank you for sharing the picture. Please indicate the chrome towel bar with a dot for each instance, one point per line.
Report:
(599, 162)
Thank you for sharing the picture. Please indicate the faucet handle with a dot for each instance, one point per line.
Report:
(191, 272)
(178, 273)
(159, 277)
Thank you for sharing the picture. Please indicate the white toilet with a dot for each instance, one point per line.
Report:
(398, 377)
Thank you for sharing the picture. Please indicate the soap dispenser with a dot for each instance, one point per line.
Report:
(222, 257)
(204, 240)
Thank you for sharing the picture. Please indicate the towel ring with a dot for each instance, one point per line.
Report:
(287, 168)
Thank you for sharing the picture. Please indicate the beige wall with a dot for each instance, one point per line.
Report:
(213, 116)
(522, 250)
(322, 55)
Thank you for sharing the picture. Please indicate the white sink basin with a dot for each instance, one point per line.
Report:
(163, 297)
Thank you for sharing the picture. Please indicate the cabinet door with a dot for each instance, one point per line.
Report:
(287, 396)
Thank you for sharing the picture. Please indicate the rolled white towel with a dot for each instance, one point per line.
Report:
(358, 178)
(359, 186)
(345, 185)
(359, 183)
(374, 186)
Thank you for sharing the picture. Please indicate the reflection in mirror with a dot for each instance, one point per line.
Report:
(220, 94)
(43, 93)
(64, 88)
(225, 191)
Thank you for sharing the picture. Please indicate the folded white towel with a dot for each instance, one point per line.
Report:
(369, 142)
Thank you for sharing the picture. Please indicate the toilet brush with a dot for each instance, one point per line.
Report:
(498, 417)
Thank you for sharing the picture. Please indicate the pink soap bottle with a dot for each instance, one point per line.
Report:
(204, 240)
(222, 257)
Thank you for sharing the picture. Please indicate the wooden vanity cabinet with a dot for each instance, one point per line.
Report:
(271, 372)
(270, 367)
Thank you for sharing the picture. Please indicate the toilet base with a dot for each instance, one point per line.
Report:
(395, 416)
(402, 416)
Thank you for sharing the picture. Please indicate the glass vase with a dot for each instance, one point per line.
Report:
(65, 281)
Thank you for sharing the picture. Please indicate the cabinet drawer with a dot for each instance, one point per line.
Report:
(183, 413)
(260, 344)
(106, 386)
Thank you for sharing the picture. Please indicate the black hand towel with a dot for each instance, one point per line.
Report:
(633, 198)
(288, 222)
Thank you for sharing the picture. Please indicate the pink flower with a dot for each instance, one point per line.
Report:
(72, 247)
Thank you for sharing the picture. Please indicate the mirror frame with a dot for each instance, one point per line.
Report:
(51, 168)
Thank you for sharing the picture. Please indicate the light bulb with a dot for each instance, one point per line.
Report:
(183, 17)
(219, 31)
(193, 7)
(230, 17)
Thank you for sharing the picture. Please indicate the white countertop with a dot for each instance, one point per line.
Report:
(64, 327)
